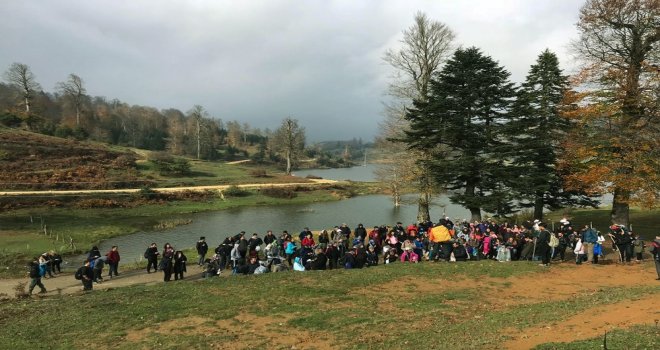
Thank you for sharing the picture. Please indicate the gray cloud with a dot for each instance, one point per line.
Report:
(260, 61)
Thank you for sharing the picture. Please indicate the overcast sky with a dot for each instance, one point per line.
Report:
(260, 61)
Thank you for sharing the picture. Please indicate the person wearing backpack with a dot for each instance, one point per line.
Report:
(35, 276)
(589, 239)
(85, 274)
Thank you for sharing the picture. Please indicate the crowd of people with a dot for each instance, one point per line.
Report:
(344, 248)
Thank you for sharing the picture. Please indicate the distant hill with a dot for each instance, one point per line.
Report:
(35, 161)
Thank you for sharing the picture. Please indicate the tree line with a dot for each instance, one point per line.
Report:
(550, 142)
(70, 112)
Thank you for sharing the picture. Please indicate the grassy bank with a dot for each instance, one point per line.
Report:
(22, 235)
(460, 306)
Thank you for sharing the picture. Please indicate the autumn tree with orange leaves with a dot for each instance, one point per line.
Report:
(614, 144)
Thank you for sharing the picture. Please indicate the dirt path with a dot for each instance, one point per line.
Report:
(65, 283)
(590, 323)
(312, 182)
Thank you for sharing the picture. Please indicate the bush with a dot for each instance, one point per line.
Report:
(258, 173)
(10, 120)
(63, 131)
(235, 191)
(279, 192)
(166, 164)
(124, 161)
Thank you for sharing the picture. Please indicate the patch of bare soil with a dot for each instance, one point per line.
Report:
(245, 331)
(590, 323)
(559, 282)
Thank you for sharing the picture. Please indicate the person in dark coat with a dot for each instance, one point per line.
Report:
(94, 253)
(320, 260)
(35, 276)
(85, 274)
(167, 262)
(543, 245)
(202, 249)
(179, 264)
(151, 254)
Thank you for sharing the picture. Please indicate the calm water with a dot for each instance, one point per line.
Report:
(215, 226)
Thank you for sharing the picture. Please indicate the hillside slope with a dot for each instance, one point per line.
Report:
(35, 161)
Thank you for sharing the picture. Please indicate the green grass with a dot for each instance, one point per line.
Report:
(641, 337)
(343, 305)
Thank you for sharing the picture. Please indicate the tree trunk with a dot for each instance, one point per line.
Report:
(288, 163)
(423, 214)
(620, 208)
(475, 214)
(538, 207)
(27, 105)
(77, 115)
(199, 141)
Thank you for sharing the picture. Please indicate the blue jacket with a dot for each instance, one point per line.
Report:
(589, 236)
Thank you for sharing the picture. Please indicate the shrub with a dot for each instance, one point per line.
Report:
(10, 120)
(124, 161)
(235, 191)
(258, 173)
(166, 164)
(279, 192)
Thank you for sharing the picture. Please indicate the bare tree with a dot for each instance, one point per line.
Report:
(198, 113)
(424, 47)
(289, 141)
(20, 76)
(74, 89)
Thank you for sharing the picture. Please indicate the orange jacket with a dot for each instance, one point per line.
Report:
(439, 234)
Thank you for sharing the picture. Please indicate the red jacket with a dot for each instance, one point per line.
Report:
(113, 256)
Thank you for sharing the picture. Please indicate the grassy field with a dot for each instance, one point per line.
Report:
(474, 305)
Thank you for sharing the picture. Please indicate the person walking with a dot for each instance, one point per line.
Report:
(202, 249)
(151, 254)
(35, 276)
(113, 261)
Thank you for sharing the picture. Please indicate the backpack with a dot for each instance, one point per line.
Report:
(554, 241)
(146, 254)
(79, 274)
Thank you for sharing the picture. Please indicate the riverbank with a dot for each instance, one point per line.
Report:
(23, 234)
(463, 305)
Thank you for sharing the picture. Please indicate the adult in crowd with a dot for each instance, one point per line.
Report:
(202, 248)
(151, 254)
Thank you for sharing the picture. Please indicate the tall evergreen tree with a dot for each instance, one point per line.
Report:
(535, 139)
(468, 106)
